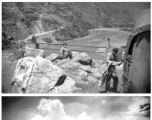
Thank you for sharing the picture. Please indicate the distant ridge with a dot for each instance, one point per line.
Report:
(21, 20)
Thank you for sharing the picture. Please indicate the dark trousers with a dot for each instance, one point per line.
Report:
(63, 57)
(69, 55)
(37, 46)
(115, 82)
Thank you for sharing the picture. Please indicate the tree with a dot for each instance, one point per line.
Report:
(145, 108)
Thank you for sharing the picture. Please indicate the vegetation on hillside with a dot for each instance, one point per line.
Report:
(21, 19)
(79, 28)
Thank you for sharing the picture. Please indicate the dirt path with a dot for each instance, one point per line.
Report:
(107, 29)
(39, 34)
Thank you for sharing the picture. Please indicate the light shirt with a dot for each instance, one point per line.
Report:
(63, 51)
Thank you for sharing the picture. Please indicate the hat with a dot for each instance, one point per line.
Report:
(115, 49)
(64, 44)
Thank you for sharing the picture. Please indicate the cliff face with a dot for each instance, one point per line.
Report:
(20, 20)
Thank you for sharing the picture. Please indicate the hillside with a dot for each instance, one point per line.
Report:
(19, 20)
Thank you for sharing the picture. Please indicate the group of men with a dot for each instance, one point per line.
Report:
(112, 62)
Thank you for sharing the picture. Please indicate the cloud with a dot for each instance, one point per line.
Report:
(103, 102)
(126, 108)
(124, 117)
(142, 118)
(134, 107)
(76, 109)
(121, 107)
(51, 109)
(93, 97)
(54, 110)
(83, 116)
(39, 117)
(114, 106)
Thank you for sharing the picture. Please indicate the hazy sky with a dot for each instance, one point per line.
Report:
(73, 108)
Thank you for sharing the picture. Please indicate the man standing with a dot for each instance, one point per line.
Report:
(34, 40)
(112, 59)
(64, 52)
(108, 46)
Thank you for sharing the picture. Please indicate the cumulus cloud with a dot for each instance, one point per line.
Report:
(75, 108)
(39, 117)
(51, 108)
(83, 116)
(126, 108)
(54, 110)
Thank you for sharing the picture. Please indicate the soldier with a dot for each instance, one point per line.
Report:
(34, 40)
(64, 52)
(112, 59)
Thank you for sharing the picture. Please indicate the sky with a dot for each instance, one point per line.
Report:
(73, 108)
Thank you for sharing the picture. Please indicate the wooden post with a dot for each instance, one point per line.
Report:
(37, 46)
(108, 39)
(108, 45)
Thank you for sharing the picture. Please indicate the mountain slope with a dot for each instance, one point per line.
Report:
(19, 20)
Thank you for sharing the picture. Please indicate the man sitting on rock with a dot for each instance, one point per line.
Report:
(112, 59)
(64, 52)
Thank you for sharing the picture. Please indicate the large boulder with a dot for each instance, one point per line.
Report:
(84, 56)
(68, 64)
(79, 67)
(67, 87)
(52, 57)
(83, 74)
(75, 56)
(85, 68)
(62, 62)
(85, 59)
(22, 73)
(39, 75)
(77, 71)
(31, 52)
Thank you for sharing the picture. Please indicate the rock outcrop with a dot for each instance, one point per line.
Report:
(39, 75)
(79, 68)
(84, 57)
(52, 57)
